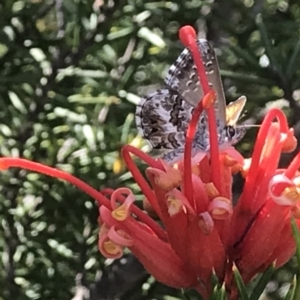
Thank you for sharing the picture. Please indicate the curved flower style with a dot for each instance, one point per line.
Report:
(202, 233)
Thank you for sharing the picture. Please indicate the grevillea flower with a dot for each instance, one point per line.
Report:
(200, 232)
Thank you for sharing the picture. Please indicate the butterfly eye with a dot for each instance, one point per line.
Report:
(230, 131)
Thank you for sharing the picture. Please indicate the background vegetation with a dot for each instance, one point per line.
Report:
(71, 73)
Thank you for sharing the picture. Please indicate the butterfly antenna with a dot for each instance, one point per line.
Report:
(250, 126)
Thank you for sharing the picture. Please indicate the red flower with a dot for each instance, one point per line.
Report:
(202, 233)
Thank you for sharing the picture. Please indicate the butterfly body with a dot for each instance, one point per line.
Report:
(163, 116)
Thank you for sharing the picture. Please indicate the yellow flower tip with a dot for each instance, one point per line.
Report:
(167, 180)
(111, 249)
(118, 165)
(195, 168)
(292, 194)
(220, 208)
(121, 212)
(211, 190)
(174, 205)
(232, 163)
(106, 246)
(290, 142)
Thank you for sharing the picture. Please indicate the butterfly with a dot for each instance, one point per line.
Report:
(163, 116)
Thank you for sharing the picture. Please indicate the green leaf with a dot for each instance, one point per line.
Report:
(151, 37)
(296, 234)
(222, 293)
(240, 284)
(292, 65)
(16, 102)
(267, 42)
(126, 129)
(244, 54)
(262, 283)
(185, 296)
(247, 78)
(119, 33)
(291, 292)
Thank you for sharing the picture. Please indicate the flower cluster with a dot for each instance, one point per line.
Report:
(200, 232)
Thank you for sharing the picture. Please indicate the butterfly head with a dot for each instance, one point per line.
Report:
(234, 134)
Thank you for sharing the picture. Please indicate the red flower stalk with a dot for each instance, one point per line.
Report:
(202, 233)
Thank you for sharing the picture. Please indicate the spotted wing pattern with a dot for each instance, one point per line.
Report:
(162, 118)
(183, 77)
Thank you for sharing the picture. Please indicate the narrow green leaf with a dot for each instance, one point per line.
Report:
(296, 234)
(223, 293)
(143, 16)
(296, 295)
(292, 65)
(215, 280)
(126, 129)
(240, 284)
(17, 102)
(266, 40)
(215, 284)
(219, 293)
(247, 78)
(295, 84)
(185, 296)
(243, 54)
(214, 294)
(119, 33)
(109, 54)
(291, 292)
(263, 99)
(152, 37)
(262, 283)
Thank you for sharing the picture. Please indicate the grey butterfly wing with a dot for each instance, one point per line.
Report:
(183, 77)
(162, 118)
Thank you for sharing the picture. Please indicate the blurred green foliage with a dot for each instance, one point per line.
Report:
(71, 73)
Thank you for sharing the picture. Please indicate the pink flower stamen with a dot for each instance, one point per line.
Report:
(262, 136)
(289, 194)
(107, 247)
(293, 167)
(121, 212)
(176, 201)
(138, 177)
(206, 223)
(188, 190)
(188, 37)
(167, 179)
(119, 237)
(220, 208)
(200, 194)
